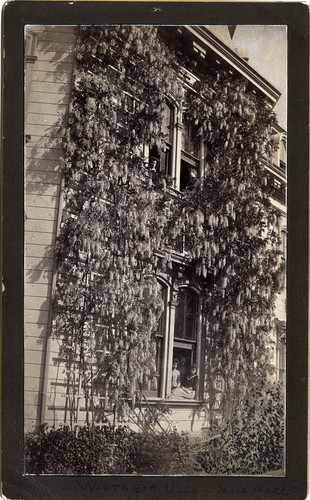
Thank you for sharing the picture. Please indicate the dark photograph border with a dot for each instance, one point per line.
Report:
(16, 16)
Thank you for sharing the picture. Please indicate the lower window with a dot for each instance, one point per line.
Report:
(175, 375)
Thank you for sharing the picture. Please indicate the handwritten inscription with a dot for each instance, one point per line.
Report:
(252, 491)
(171, 488)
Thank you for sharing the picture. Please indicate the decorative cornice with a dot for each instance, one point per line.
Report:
(235, 61)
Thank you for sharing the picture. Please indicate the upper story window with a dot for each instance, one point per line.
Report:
(168, 131)
(190, 154)
(30, 59)
(283, 238)
(126, 106)
(162, 161)
(190, 141)
(30, 44)
(180, 153)
(279, 156)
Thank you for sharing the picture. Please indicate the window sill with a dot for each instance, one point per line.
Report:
(173, 402)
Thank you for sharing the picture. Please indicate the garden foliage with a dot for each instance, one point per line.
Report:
(251, 442)
(252, 439)
(107, 451)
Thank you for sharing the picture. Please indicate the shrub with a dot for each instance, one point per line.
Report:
(252, 440)
(60, 451)
(163, 453)
(107, 451)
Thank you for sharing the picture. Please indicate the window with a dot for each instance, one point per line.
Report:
(167, 130)
(180, 155)
(190, 154)
(177, 348)
(163, 158)
(152, 385)
(126, 107)
(30, 59)
(30, 45)
(283, 238)
(280, 349)
(185, 333)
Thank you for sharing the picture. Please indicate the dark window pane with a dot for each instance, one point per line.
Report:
(167, 123)
(179, 315)
(189, 175)
(191, 316)
(186, 315)
(190, 140)
(162, 320)
(152, 381)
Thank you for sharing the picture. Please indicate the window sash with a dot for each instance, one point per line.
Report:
(186, 316)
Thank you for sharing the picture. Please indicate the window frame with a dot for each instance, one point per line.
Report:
(178, 155)
(170, 343)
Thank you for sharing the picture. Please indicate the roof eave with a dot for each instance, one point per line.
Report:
(235, 61)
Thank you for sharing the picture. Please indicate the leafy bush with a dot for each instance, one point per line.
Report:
(61, 451)
(106, 451)
(162, 453)
(252, 441)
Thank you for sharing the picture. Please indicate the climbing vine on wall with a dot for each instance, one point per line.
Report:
(235, 234)
(119, 215)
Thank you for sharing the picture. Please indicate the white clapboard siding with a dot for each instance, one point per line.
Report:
(42, 200)
(40, 251)
(49, 189)
(42, 119)
(33, 357)
(40, 226)
(50, 87)
(33, 316)
(33, 370)
(33, 384)
(51, 76)
(37, 152)
(49, 96)
(43, 177)
(35, 331)
(37, 303)
(48, 141)
(37, 290)
(41, 213)
(39, 264)
(67, 37)
(47, 109)
(32, 398)
(53, 130)
(59, 46)
(53, 67)
(32, 343)
(35, 237)
(29, 412)
(43, 165)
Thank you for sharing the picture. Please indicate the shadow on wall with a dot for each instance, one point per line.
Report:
(57, 68)
(55, 47)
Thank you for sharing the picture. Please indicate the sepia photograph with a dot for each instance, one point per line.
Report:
(155, 250)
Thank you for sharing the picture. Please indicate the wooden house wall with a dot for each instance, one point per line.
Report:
(48, 99)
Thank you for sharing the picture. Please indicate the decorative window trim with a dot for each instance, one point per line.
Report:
(30, 46)
(170, 343)
(30, 59)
